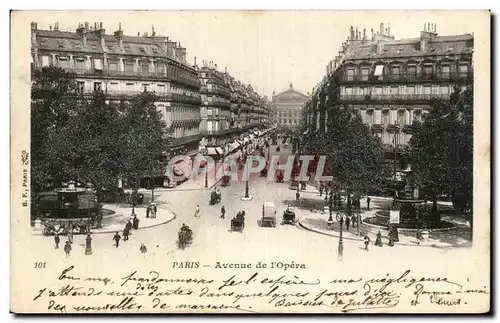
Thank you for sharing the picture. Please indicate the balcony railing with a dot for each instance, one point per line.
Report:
(184, 140)
(186, 98)
(408, 77)
(221, 132)
(393, 97)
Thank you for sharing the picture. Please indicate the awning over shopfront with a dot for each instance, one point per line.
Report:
(234, 145)
(214, 151)
(211, 151)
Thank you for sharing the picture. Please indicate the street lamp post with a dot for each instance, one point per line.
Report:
(247, 196)
(340, 219)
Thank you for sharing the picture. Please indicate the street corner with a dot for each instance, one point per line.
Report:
(321, 226)
(124, 214)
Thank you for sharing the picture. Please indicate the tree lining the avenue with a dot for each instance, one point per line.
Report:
(353, 153)
(441, 150)
(90, 139)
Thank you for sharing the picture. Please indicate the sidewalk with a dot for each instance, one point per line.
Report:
(118, 220)
(309, 189)
(317, 222)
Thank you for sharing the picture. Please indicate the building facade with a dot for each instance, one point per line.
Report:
(289, 106)
(124, 66)
(391, 82)
(231, 114)
(201, 107)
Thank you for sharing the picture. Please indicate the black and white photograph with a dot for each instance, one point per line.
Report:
(212, 162)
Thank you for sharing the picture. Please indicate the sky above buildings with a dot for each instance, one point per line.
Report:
(268, 49)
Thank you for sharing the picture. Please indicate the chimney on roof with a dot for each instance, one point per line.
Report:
(427, 34)
(119, 35)
(138, 34)
(373, 34)
(34, 27)
(153, 33)
(100, 32)
(357, 33)
(225, 69)
(351, 33)
(50, 27)
(388, 30)
(195, 61)
(82, 31)
(381, 28)
(364, 33)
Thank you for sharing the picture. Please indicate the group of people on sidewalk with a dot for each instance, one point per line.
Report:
(131, 224)
(392, 235)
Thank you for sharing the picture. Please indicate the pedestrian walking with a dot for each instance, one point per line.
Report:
(57, 240)
(129, 226)
(126, 233)
(143, 249)
(368, 200)
(391, 240)
(367, 242)
(70, 235)
(197, 211)
(297, 196)
(148, 209)
(153, 210)
(347, 222)
(321, 189)
(67, 249)
(135, 223)
(419, 235)
(223, 212)
(378, 241)
(117, 238)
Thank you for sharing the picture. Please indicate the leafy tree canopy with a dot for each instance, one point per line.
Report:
(91, 140)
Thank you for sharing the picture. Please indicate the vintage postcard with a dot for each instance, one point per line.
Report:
(250, 162)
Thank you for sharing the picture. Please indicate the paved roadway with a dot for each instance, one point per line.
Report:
(212, 236)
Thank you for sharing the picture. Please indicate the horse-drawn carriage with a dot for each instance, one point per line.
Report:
(268, 215)
(288, 216)
(294, 185)
(226, 180)
(185, 237)
(64, 210)
(215, 197)
(280, 177)
(238, 222)
(264, 171)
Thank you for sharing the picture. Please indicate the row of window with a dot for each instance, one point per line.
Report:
(111, 87)
(385, 117)
(409, 69)
(116, 66)
(186, 131)
(402, 117)
(406, 89)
